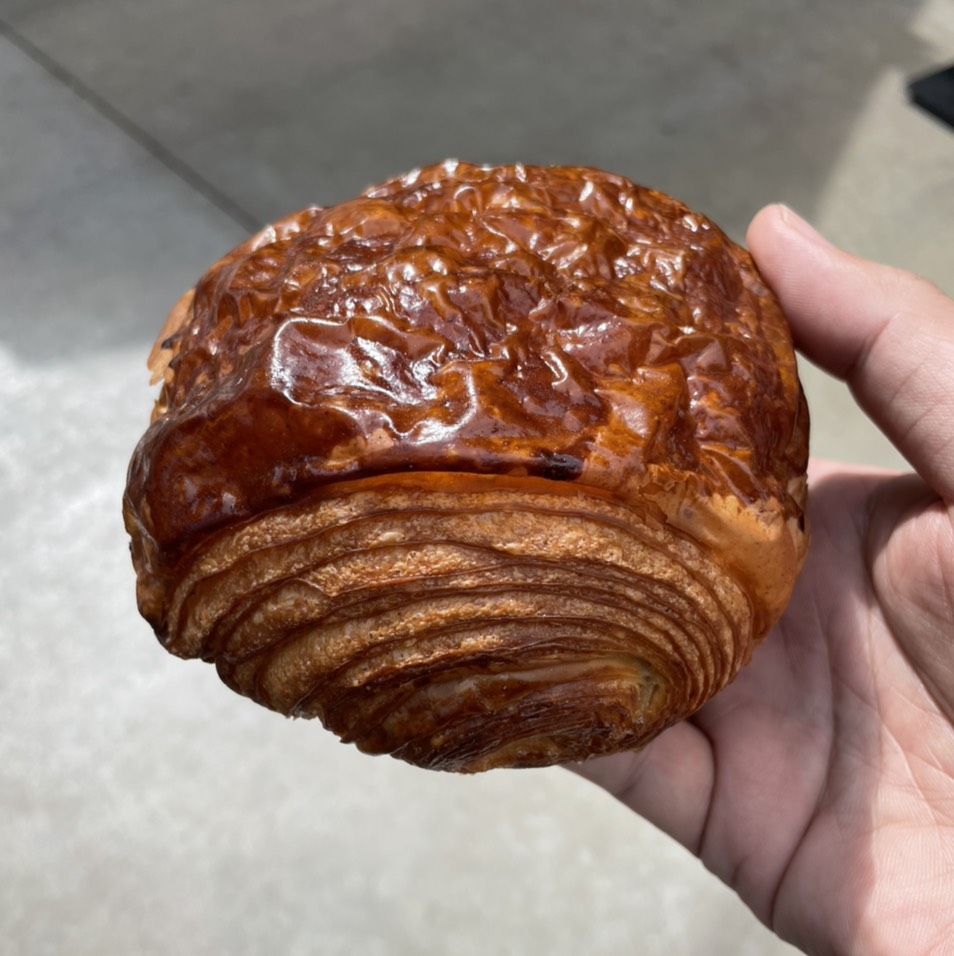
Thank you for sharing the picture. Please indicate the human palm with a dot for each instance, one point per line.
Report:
(820, 784)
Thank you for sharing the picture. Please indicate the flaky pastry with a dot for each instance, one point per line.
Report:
(489, 466)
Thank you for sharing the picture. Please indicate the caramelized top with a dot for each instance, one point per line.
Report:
(555, 322)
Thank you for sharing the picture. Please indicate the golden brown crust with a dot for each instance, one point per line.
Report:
(554, 331)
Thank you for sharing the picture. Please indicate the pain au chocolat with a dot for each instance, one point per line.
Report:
(490, 466)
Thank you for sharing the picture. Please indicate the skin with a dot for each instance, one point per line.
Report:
(820, 784)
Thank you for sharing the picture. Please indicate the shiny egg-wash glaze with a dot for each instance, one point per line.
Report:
(488, 466)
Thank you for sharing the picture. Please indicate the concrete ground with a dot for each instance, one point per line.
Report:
(144, 809)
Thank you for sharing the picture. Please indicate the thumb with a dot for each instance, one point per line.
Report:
(888, 333)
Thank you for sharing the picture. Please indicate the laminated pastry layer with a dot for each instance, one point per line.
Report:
(469, 624)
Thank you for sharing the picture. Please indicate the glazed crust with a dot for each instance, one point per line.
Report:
(536, 341)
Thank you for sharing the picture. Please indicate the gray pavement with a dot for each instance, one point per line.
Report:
(144, 809)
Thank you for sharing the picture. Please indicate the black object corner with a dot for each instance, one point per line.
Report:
(934, 93)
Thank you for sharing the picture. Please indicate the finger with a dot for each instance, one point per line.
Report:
(888, 333)
(669, 782)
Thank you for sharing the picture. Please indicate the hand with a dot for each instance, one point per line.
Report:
(820, 784)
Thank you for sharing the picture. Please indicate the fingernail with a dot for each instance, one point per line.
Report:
(798, 225)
